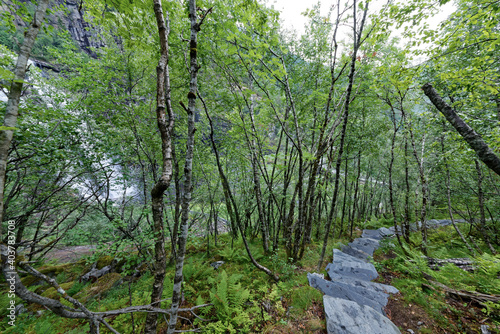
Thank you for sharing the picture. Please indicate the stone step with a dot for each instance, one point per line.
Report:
(366, 245)
(359, 270)
(355, 252)
(340, 257)
(348, 317)
(366, 284)
(375, 300)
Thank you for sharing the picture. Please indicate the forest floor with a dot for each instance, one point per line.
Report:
(67, 254)
(290, 306)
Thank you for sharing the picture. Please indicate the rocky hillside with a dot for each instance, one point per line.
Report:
(67, 15)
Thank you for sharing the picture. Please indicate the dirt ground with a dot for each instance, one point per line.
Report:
(70, 253)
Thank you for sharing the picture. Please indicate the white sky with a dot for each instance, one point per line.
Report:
(291, 11)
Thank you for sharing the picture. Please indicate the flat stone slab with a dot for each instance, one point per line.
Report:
(366, 245)
(348, 317)
(355, 252)
(375, 300)
(356, 269)
(340, 257)
(366, 284)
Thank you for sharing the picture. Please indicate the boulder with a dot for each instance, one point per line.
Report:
(95, 273)
(348, 317)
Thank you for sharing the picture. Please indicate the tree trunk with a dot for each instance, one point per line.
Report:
(188, 165)
(163, 106)
(357, 42)
(475, 141)
(231, 206)
(482, 217)
(14, 97)
(355, 199)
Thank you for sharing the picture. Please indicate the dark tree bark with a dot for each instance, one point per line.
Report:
(475, 141)
(482, 217)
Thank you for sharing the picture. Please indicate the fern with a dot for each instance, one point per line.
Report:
(228, 297)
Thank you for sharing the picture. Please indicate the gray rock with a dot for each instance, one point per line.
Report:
(410, 331)
(485, 329)
(372, 234)
(217, 264)
(386, 232)
(345, 291)
(94, 274)
(366, 284)
(445, 222)
(347, 317)
(420, 323)
(355, 252)
(360, 270)
(340, 257)
(366, 245)
(20, 309)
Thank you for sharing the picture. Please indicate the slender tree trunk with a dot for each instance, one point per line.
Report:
(391, 189)
(344, 201)
(356, 188)
(482, 217)
(178, 200)
(188, 166)
(14, 96)
(450, 211)
(406, 224)
(357, 41)
(423, 183)
(231, 206)
(163, 106)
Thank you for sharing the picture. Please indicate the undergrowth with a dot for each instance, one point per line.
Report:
(412, 274)
(245, 300)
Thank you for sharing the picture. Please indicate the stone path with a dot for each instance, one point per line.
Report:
(353, 303)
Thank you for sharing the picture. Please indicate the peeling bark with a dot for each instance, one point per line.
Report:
(163, 106)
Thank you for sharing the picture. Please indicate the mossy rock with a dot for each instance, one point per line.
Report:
(52, 292)
(104, 261)
(32, 281)
(103, 284)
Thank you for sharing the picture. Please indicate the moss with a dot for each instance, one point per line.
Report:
(103, 284)
(52, 292)
(31, 281)
(303, 297)
(104, 261)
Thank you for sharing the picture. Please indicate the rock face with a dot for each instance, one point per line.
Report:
(69, 15)
(81, 31)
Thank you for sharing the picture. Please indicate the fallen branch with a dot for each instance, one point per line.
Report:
(79, 311)
(463, 263)
(463, 295)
